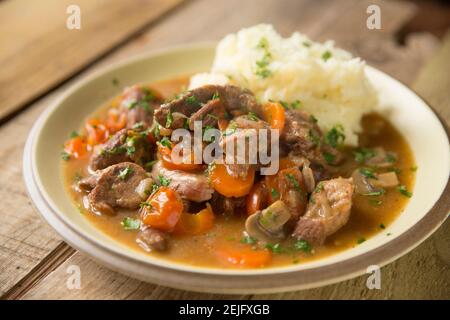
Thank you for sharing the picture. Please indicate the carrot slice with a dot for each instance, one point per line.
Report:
(274, 115)
(228, 185)
(97, 132)
(168, 163)
(76, 147)
(115, 120)
(244, 256)
(162, 210)
(195, 223)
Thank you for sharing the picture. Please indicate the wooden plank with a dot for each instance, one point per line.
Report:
(38, 51)
(314, 18)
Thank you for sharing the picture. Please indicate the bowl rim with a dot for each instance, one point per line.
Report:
(311, 277)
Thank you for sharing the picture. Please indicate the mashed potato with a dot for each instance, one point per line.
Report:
(319, 78)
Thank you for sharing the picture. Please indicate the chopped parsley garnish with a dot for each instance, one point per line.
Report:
(413, 168)
(375, 202)
(313, 119)
(215, 96)
(329, 158)
(138, 126)
(363, 154)
(335, 136)
(396, 170)
(368, 173)
(402, 189)
(252, 116)
(302, 245)
(124, 173)
(145, 204)
(65, 156)
(192, 100)
(375, 193)
(275, 194)
(306, 44)
(163, 181)
(262, 69)
(231, 129)
(115, 82)
(326, 55)
(74, 134)
(169, 120)
(165, 142)
(294, 181)
(130, 223)
(319, 187)
(248, 240)
(360, 240)
(315, 138)
(294, 105)
(275, 248)
(382, 226)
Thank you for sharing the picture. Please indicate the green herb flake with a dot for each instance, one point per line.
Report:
(192, 100)
(275, 248)
(402, 189)
(363, 154)
(382, 226)
(248, 240)
(294, 181)
(163, 181)
(375, 193)
(124, 173)
(145, 204)
(169, 120)
(375, 202)
(215, 96)
(335, 136)
(252, 116)
(166, 142)
(65, 156)
(74, 134)
(303, 245)
(329, 158)
(391, 158)
(115, 82)
(130, 223)
(360, 240)
(326, 55)
(413, 168)
(368, 173)
(275, 194)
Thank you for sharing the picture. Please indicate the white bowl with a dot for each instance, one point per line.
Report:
(425, 212)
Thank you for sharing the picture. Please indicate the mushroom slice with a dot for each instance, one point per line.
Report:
(267, 225)
(385, 180)
(363, 184)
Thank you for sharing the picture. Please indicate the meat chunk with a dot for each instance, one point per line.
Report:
(327, 211)
(243, 132)
(227, 206)
(235, 100)
(189, 185)
(302, 136)
(139, 102)
(209, 114)
(151, 239)
(124, 146)
(116, 188)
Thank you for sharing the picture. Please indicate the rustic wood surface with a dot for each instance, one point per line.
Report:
(38, 51)
(34, 260)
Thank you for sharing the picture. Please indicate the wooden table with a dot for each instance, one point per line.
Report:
(40, 59)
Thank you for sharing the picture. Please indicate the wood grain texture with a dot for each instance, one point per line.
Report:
(25, 247)
(38, 51)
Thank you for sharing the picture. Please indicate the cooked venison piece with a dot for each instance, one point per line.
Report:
(209, 114)
(240, 129)
(139, 103)
(151, 239)
(302, 136)
(227, 206)
(235, 100)
(116, 188)
(124, 146)
(189, 185)
(327, 211)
